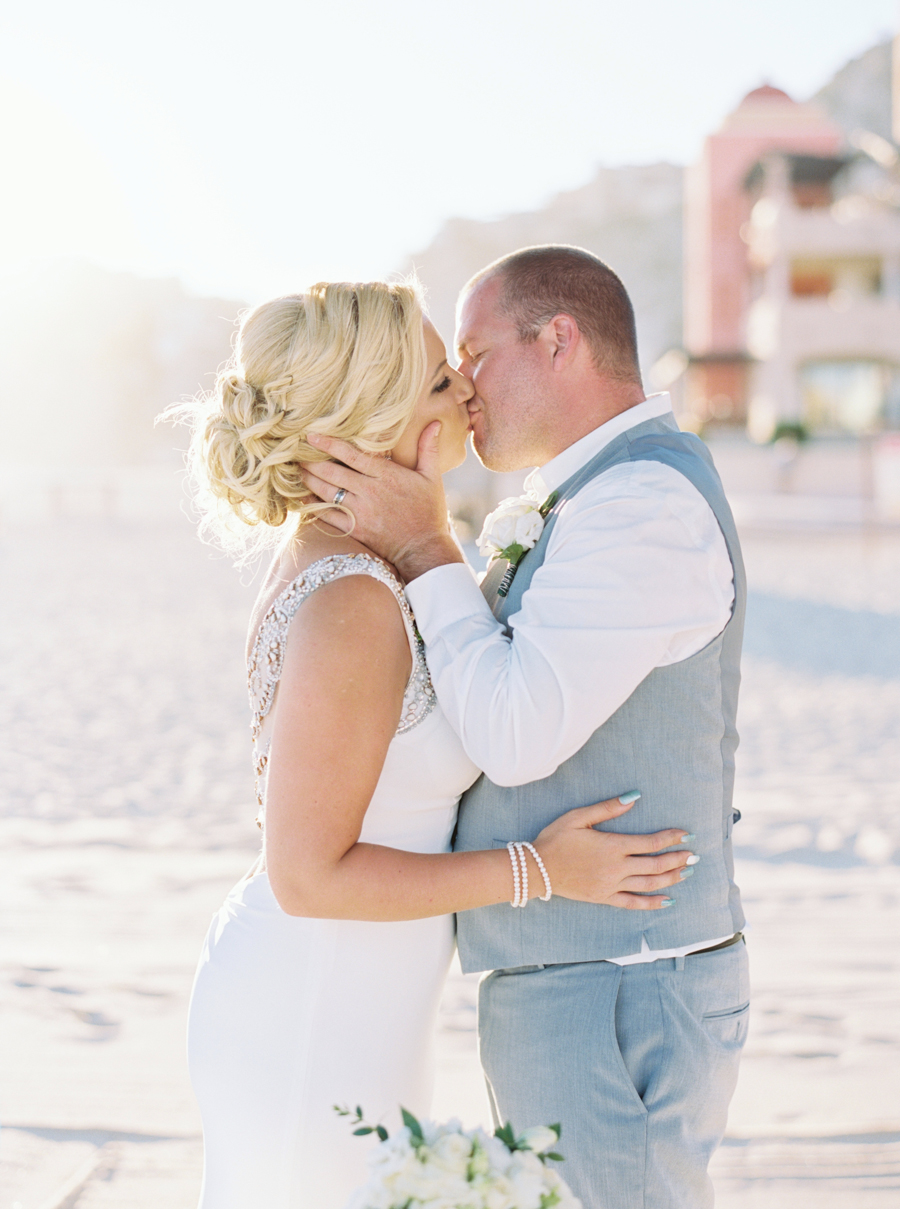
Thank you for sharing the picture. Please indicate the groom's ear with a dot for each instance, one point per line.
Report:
(563, 340)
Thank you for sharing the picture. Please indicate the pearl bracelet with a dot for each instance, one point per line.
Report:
(520, 874)
(516, 850)
(545, 898)
(514, 858)
(520, 849)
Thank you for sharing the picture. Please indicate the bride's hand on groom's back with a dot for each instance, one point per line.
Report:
(630, 871)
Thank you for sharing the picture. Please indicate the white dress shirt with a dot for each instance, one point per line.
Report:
(636, 576)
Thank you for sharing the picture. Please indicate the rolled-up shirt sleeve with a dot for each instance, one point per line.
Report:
(636, 576)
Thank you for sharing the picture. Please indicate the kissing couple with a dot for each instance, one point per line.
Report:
(547, 757)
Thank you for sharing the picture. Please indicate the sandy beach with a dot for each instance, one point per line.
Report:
(127, 812)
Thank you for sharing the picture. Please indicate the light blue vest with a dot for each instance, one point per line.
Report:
(673, 739)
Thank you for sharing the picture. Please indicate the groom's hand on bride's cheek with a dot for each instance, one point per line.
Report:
(400, 514)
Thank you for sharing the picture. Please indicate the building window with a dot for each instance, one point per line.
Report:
(819, 277)
(850, 396)
(812, 195)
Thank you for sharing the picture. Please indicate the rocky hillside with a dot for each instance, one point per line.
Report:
(859, 95)
(630, 217)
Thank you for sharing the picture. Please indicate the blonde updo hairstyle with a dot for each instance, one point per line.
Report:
(343, 360)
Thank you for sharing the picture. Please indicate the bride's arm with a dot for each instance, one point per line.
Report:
(339, 701)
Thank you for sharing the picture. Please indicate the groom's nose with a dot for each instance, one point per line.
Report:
(465, 366)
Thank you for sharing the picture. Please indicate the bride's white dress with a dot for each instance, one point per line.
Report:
(291, 1016)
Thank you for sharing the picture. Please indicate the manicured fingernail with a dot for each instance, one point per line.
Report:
(686, 873)
(627, 798)
(692, 859)
(686, 839)
(667, 902)
(313, 438)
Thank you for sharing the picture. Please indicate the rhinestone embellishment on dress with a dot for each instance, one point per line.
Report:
(267, 655)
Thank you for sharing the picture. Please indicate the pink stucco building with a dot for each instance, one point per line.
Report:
(717, 286)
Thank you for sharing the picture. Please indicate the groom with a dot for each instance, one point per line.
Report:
(612, 664)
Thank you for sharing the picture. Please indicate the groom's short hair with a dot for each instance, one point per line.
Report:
(540, 282)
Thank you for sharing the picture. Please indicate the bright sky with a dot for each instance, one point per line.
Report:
(252, 148)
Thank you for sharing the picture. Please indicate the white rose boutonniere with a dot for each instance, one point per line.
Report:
(511, 530)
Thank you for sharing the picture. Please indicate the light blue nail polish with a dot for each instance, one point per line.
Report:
(686, 873)
(627, 798)
(692, 859)
(668, 902)
(686, 839)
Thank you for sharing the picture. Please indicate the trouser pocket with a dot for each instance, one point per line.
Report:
(728, 1027)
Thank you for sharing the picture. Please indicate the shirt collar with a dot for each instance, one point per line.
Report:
(553, 474)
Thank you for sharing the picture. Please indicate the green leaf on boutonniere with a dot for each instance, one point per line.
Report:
(548, 504)
(512, 553)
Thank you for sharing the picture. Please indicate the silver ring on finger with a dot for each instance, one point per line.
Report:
(339, 496)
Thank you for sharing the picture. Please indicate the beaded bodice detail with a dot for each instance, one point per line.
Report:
(266, 659)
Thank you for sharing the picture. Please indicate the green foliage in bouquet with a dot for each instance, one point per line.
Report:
(507, 1136)
(363, 1127)
(505, 1133)
(429, 1166)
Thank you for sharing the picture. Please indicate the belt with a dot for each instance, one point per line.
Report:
(726, 944)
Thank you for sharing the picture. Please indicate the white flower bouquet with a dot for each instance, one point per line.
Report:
(428, 1166)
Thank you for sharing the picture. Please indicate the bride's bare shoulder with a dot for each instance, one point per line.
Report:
(348, 640)
(361, 598)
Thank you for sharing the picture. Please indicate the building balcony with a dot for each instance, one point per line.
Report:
(853, 226)
(797, 329)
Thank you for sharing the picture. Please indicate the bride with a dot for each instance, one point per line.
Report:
(321, 974)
